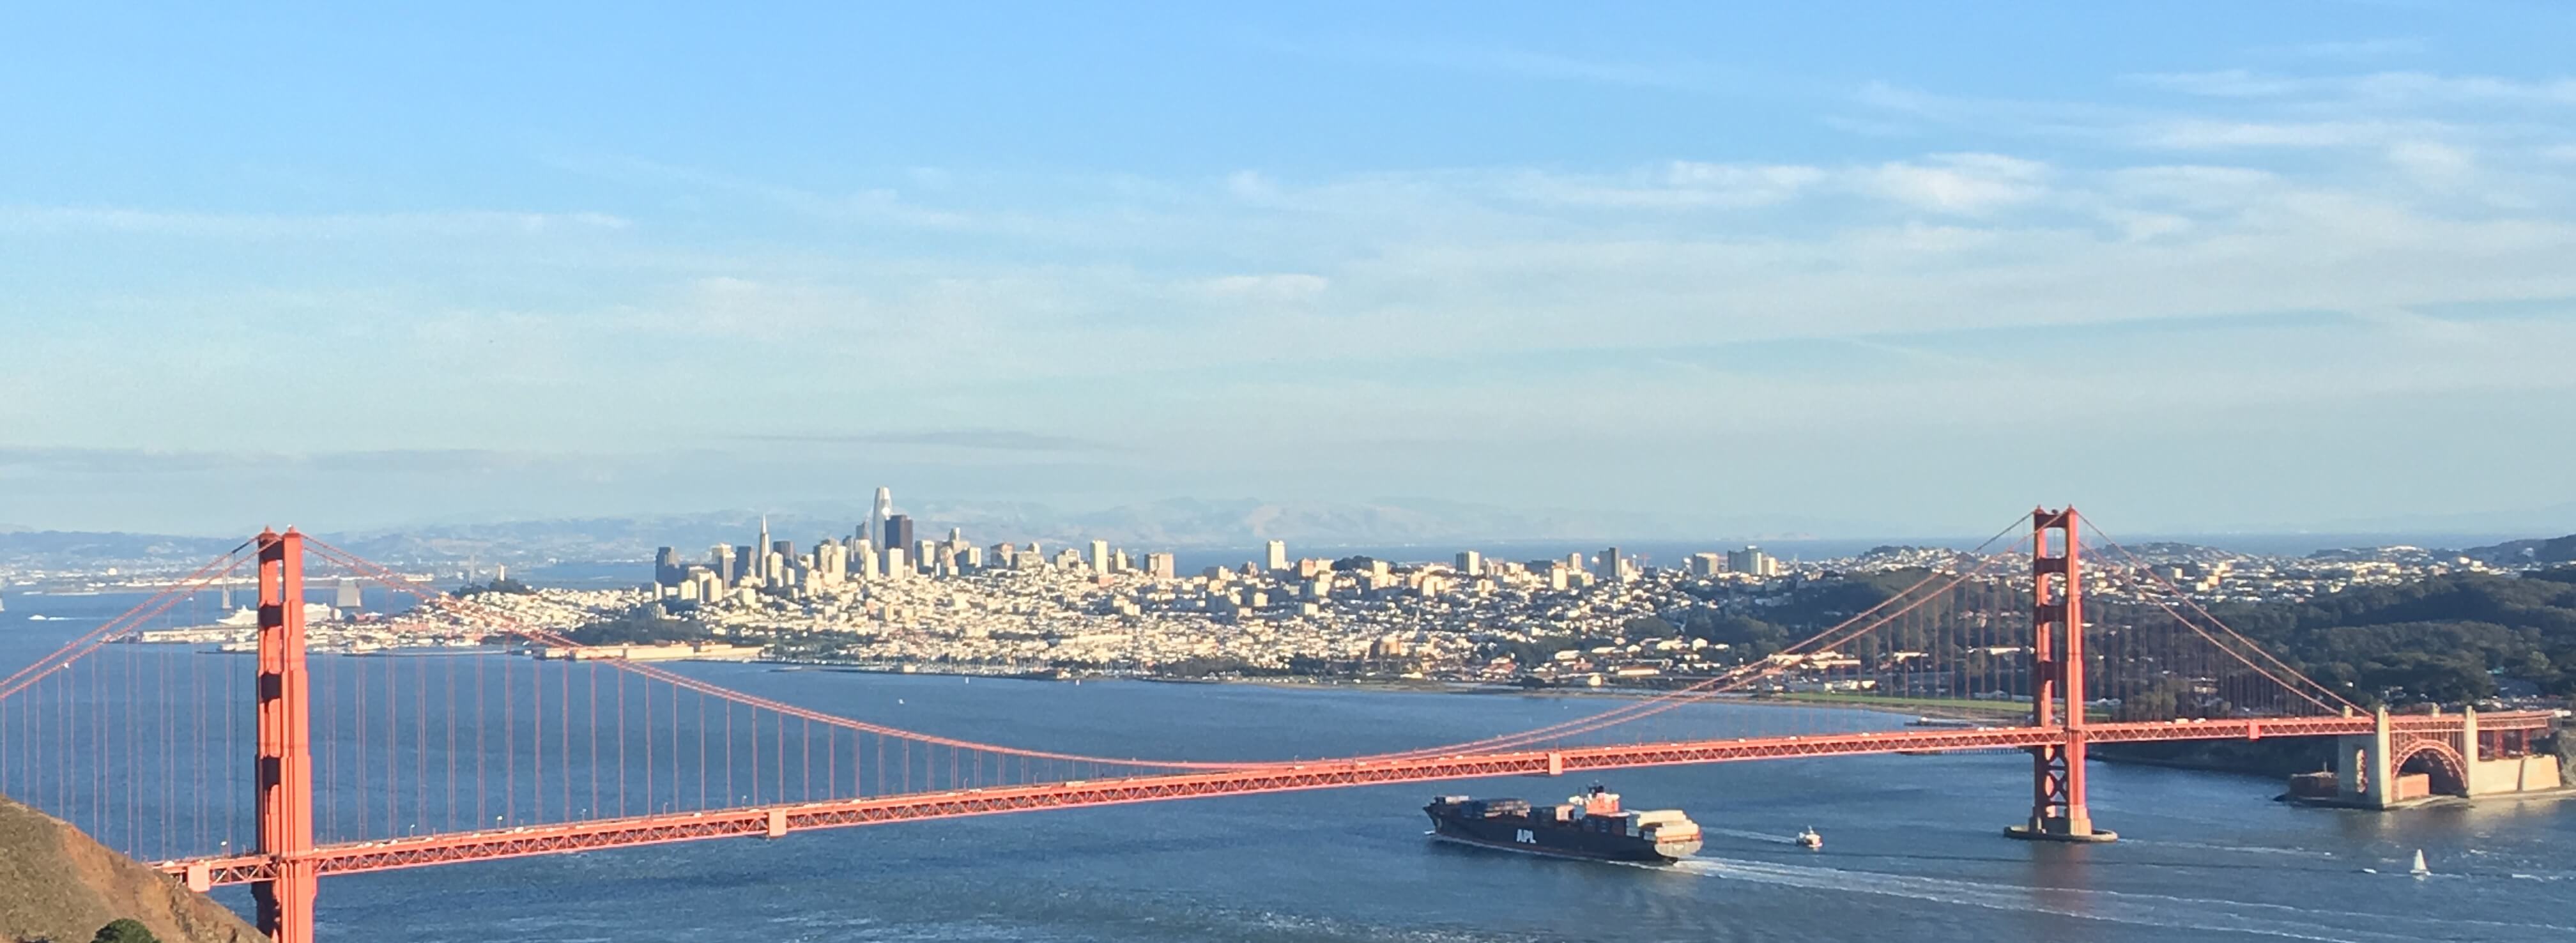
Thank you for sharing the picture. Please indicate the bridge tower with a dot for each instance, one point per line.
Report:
(283, 770)
(2057, 806)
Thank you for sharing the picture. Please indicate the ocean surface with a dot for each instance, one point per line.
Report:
(1913, 849)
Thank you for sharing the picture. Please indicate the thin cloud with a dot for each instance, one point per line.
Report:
(2378, 48)
(2384, 88)
(139, 461)
(1691, 77)
(51, 220)
(1960, 183)
(1005, 440)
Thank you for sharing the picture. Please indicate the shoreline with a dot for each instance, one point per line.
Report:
(1395, 686)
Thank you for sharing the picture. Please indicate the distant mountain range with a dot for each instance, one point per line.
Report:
(2554, 519)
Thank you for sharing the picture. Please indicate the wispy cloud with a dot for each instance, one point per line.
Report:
(139, 461)
(1006, 440)
(1671, 76)
(2386, 88)
(1961, 183)
(868, 204)
(42, 220)
(1676, 185)
(2347, 49)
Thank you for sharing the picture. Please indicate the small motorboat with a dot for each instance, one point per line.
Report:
(1808, 839)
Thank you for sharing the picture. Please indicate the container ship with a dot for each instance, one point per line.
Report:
(1591, 825)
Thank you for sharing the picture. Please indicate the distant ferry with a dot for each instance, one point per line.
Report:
(1591, 825)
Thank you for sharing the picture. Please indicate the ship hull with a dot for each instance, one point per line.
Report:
(1521, 834)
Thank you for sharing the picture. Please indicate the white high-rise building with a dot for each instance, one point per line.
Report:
(1471, 563)
(1277, 557)
(1100, 558)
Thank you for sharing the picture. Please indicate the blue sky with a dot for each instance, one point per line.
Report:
(2194, 266)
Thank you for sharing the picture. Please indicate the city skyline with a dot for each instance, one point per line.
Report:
(1707, 261)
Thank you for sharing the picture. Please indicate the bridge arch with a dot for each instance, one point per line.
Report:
(2441, 763)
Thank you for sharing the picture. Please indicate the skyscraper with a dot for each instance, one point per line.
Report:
(898, 533)
(1277, 558)
(877, 518)
(760, 561)
(1614, 569)
(1100, 558)
(1471, 563)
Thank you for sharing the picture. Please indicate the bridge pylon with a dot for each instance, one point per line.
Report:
(2058, 811)
(283, 769)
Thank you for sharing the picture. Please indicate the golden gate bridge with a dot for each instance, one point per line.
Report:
(444, 759)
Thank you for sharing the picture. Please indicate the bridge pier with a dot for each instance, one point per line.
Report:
(2362, 766)
(2370, 768)
(2058, 811)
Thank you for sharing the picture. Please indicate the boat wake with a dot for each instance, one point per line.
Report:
(2184, 913)
(2233, 849)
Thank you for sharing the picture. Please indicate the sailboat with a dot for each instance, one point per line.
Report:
(2419, 870)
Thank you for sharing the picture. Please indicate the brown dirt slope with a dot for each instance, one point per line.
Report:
(57, 884)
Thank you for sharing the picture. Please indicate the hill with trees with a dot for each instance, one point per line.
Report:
(2449, 639)
(2446, 639)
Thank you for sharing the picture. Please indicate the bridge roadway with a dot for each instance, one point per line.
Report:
(777, 820)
